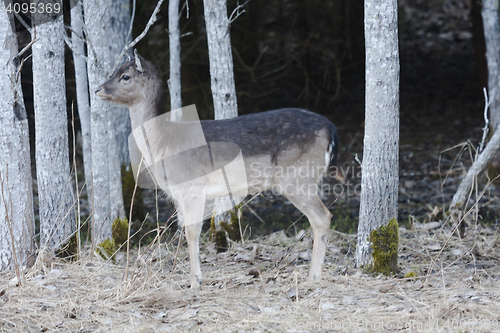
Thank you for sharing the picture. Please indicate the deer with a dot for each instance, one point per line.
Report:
(272, 144)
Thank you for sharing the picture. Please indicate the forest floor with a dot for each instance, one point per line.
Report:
(261, 286)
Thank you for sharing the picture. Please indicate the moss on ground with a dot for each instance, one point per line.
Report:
(119, 231)
(106, 249)
(385, 241)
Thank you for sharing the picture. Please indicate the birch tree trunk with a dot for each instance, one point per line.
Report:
(380, 166)
(221, 59)
(118, 24)
(55, 190)
(221, 76)
(107, 26)
(82, 94)
(17, 223)
(492, 37)
(174, 83)
(98, 62)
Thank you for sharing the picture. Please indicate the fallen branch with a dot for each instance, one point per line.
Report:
(457, 206)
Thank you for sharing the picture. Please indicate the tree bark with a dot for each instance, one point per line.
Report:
(174, 83)
(55, 190)
(492, 37)
(221, 76)
(17, 223)
(118, 23)
(221, 59)
(380, 178)
(98, 63)
(82, 94)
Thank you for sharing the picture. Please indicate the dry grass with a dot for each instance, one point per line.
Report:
(90, 295)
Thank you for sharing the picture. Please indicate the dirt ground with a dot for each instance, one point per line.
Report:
(260, 286)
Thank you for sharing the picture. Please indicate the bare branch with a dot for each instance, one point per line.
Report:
(132, 17)
(26, 47)
(236, 12)
(130, 45)
(69, 43)
(23, 22)
(486, 127)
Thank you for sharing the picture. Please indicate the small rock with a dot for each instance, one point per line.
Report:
(254, 272)
(427, 226)
(300, 234)
(434, 247)
(410, 184)
(242, 257)
(292, 292)
(305, 255)
(456, 252)
(189, 313)
(327, 306)
(334, 249)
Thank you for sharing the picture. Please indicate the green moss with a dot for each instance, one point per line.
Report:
(231, 229)
(106, 249)
(220, 241)
(233, 226)
(385, 241)
(410, 274)
(120, 231)
(128, 185)
(68, 250)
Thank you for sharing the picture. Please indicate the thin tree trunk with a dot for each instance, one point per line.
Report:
(17, 223)
(221, 59)
(492, 37)
(97, 63)
(380, 178)
(55, 190)
(107, 26)
(118, 23)
(174, 83)
(82, 94)
(221, 76)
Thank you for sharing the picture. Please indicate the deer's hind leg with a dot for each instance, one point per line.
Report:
(319, 217)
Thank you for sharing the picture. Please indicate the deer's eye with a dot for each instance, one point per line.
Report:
(125, 77)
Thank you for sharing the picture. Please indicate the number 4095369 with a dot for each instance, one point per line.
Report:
(33, 8)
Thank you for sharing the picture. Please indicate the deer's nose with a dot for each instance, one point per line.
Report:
(98, 90)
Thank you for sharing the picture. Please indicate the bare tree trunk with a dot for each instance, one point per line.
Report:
(82, 94)
(221, 76)
(221, 59)
(492, 37)
(380, 178)
(55, 190)
(118, 24)
(174, 83)
(17, 223)
(98, 63)
(107, 24)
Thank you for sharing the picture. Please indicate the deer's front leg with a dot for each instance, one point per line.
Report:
(193, 231)
(192, 209)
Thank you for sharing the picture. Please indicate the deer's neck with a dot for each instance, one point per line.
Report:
(145, 110)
